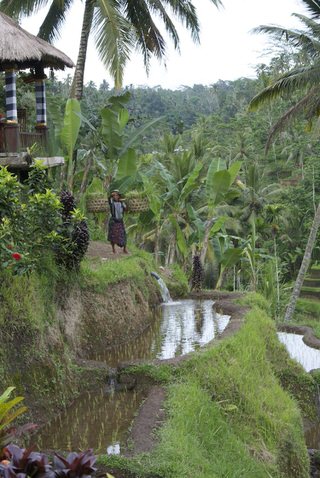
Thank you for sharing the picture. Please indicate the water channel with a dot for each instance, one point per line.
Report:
(101, 420)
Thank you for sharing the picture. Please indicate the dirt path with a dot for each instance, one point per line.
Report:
(103, 250)
(151, 416)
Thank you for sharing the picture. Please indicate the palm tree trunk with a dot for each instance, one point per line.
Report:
(156, 244)
(206, 238)
(84, 182)
(277, 274)
(220, 279)
(304, 265)
(173, 251)
(77, 83)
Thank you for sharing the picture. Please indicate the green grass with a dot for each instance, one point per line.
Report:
(158, 373)
(253, 299)
(308, 307)
(178, 282)
(98, 275)
(310, 289)
(304, 319)
(229, 416)
(111, 272)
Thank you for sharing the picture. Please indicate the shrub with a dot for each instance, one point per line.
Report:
(33, 222)
(8, 414)
(75, 233)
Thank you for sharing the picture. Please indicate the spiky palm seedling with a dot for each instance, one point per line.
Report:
(75, 232)
(197, 273)
(68, 203)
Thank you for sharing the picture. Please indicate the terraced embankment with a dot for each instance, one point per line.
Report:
(228, 409)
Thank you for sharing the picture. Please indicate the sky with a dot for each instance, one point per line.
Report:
(227, 50)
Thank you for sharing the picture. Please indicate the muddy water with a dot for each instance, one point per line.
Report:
(178, 328)
(101, 420)
(96, 420)
(312, 437)
(308, 357)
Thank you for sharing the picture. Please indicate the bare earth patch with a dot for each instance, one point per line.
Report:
(103, 250)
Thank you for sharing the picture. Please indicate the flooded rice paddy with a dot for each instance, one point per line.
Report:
(101, 420)
(178, 328)
(307, 356)
(96, 420)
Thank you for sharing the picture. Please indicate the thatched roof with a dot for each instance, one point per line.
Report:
(20, 49)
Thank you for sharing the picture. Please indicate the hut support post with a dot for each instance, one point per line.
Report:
(11, 96)
(11, 127)
(40, 91)
(41, 111)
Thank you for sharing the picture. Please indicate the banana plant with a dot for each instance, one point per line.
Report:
(113, 151)
(226, 255)
(69, 135)
(218, 187)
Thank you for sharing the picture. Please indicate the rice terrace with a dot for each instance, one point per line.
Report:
(159, 247)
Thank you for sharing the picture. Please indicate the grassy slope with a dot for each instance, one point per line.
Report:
(34, 356)
(228, 415)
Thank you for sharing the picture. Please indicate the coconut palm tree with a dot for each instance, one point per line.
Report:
(304, 79)
(119, 26)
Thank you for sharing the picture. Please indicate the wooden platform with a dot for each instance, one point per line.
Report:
(18, 161)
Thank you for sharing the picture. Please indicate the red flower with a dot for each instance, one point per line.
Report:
(16, 256)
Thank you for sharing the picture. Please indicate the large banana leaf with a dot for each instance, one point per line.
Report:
(71, 125)
(220, 184)
(218, 224)
(154, 199)
(111, 132)
(138, 134)
(123, 118)
(231, 257)
(191, 182)
(181, 242)
(234, 170)
(127, 165)
(69, 133)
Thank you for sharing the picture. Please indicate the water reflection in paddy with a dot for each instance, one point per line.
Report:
(178, 328)
(96, 420)
(308, 357)
(101, 420)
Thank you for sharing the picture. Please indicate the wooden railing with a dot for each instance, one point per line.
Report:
(12, 140)
(27, 140)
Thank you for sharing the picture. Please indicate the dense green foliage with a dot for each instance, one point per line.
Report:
(34, 224)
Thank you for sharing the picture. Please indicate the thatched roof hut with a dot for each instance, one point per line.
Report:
(20, 49)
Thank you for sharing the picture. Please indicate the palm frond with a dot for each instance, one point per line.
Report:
(294, 80)
(113, 37)
(186, 12)
(291, 114)
(50, 28)
(313, 6)
(157, 7)
(312, 25)
(17, 8)
(297, 38)
(149, 39)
